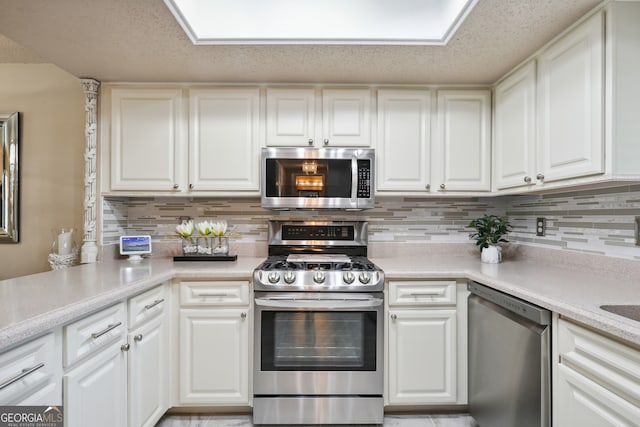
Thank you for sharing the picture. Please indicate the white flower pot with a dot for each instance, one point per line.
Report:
(491, 255)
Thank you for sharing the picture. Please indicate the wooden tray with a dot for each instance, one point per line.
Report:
(205, 258)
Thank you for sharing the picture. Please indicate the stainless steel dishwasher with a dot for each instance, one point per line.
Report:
(509, 366)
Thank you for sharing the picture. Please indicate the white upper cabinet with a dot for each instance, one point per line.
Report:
(224, 147)
(290, 117)
(346, 117)
(462, 148)
(343, 120)
(404, 140)
(514, 145)
(147, 139)
(570, 110)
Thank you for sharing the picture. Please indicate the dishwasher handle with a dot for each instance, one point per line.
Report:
(510, 303)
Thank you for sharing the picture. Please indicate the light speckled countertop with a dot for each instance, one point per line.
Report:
(33, 304)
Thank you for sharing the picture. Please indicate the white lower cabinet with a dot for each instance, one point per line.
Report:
(596, 379)
(148, 357)
(95, 391)
(95, 379)
(214, 332)
(426, 343)
(31, 374)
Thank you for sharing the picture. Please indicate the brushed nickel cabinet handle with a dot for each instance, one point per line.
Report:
(176, 186)
(540, 177)
(138, 337)
(191, 186)
(442, 186)
(21, 375)
(326, 141)
(210, 294)
(527, 179)
(125, 347)
(243, 315)
(427, 187)
(153, 304)
(394, 316)
(310, 141)
(105, 330)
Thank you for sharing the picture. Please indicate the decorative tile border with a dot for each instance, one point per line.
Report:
(595, 221)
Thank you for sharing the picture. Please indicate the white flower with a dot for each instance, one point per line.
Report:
(204, 228)
(219, 228)
(185, 229)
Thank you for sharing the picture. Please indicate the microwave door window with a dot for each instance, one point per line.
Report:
(308, 178)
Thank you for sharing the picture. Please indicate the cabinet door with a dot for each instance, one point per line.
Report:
(147, 139)
(596, 379)
(223, 140)
(214, 356)
(581, 402)
(148, 373)
(404, 140)
(514, 134)
(346, 117)
(290, 117)
(463, 146)
(422, 357)
(570, 140)
(95, 392)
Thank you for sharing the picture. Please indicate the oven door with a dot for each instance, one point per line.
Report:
(318, 343)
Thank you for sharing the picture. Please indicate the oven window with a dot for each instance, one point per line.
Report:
(308, 178)
(318, 341)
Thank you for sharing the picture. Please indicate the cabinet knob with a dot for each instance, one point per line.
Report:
(310, 141)
(394, 316)
(442, 186)
(326, 141)
(243, 315)
(527, 179)
(540, 177)
(190, 186)
(176, 186)
(138, 337)
(125, 347)
(427, 187)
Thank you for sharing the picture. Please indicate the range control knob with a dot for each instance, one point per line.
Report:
(289, 277)
(348, 277)
(274, 277)
(318, 277)
(364, 278)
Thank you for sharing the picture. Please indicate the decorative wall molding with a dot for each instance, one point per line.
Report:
(89, 252)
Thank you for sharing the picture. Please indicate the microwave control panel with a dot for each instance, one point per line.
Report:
(364, 179)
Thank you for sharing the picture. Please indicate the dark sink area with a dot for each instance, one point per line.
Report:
(628, 311)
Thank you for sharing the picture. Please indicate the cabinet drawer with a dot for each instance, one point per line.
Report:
(147, 306)
(214, 293)
(92, 333)
(30, 369)
(613, 365)
(415, 292)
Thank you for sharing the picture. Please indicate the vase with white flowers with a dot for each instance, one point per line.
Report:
(189, 242)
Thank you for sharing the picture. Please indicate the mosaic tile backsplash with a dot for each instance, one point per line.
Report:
(594, 221)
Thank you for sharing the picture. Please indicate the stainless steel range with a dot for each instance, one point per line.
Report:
(318, 327)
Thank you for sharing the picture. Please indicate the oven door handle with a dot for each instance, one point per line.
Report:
(324, 303)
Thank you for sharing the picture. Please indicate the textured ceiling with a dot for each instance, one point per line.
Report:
(139, 40)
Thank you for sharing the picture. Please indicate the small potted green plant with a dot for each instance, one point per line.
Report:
(490, 230)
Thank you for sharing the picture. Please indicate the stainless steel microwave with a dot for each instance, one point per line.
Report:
(317, 178)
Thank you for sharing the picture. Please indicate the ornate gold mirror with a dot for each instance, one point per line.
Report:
(9, 185)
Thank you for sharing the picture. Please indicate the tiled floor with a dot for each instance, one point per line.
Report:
(245, 421)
